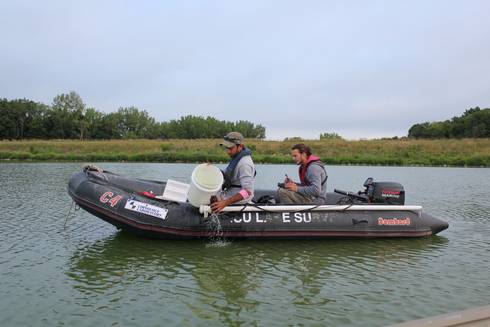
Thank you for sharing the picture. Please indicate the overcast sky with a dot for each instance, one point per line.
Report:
(362, 69)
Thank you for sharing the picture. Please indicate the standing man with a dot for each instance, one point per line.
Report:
(313, 179)
(239, 176)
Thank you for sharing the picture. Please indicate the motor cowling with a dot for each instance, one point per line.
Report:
(386, 193)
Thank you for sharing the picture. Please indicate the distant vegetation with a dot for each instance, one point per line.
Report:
(474, 123)
(323, 136)
(330, 136)
(72, 132)
(68, 118)
(463, 152)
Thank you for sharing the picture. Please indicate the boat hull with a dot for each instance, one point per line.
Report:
(110, 197)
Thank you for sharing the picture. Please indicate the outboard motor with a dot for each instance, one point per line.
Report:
(375, 192)
(385, 192)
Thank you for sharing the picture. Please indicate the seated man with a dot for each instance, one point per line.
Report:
(239, 175)
(313, 177)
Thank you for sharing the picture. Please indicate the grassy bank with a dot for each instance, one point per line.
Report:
(464, 152)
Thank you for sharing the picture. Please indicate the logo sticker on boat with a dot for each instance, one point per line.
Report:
(394, 221)
(146, 209)
(390, 194)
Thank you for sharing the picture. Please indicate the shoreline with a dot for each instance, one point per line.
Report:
(395, 153)
(13, 161)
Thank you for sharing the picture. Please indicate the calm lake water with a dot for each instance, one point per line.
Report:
(86, 273)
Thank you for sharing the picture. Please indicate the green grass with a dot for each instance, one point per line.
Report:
(461, 152)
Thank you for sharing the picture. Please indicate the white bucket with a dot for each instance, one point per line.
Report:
(206, 181)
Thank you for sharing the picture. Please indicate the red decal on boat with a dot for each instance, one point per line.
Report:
(109, 197)
(104, 198)
(394, 221)
(391, 192)
(115, 200)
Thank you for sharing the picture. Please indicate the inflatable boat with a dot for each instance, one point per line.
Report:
(133, 205)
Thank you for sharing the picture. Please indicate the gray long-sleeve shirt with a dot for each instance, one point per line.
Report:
(243, 175)
(315, 174)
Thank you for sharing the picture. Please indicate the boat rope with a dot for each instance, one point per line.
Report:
(93, 168)
(68, 213)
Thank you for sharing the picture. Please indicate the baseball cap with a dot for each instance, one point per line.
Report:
(231, 139)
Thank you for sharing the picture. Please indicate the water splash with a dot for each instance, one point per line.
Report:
(216, 232)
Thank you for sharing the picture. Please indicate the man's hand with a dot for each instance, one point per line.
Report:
(291, 186)
(218, 206)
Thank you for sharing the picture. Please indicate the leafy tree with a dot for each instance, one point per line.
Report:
(94, 126)
(68, 118)
(194, 127)
(109, 128)
(133, 123)
(474, 122)
(20, 118)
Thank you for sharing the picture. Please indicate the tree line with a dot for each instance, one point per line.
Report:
(69, 118)
(473, 123)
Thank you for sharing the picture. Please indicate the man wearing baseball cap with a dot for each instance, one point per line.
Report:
(239, 175)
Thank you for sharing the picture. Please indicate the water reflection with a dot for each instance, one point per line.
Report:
(236, 282)
(88, 274)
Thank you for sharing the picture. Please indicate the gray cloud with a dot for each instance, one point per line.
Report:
(361, 69)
